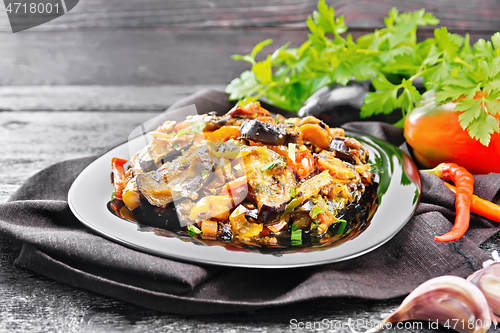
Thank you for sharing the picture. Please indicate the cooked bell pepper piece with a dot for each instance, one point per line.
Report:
(118, 176)
(205, 205)
(224, 133)
(316, 135)
(303, 165)
(209, 228)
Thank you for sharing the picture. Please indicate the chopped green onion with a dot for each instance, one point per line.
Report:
(292, 192)
(193, 230)
(197, 127)
(204, 174)
(316, 211)
(292, 205)
(291, 151)
(183, 132)
(342, 226)
(296, 237)
(270, 165)
(237, 167)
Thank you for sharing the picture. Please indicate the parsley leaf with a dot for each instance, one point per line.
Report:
(391, 57)
(482, 127)
(243, 86)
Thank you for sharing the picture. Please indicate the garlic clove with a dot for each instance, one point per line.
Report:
(488, 281)
(446, 298)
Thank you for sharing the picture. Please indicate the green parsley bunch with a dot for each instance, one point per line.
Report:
(391, 58)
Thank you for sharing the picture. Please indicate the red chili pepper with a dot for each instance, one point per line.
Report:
(465, 187)
(118, 175)
(481, 207)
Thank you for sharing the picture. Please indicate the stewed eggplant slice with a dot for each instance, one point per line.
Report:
(181, 178)
(348, 150)
(186, 174)
(154, 188)
(270, 181)
(257, 130)
(341, 150)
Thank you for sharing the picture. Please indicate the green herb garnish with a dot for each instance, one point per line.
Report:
(183, 132)
(270, 165)
(316, 211)
(296, 236)
(342, 225)
(391, 58)
(204, 174)
(193, 230)
(237, 167)
(292, 205)
(197, 127)
(292, 192)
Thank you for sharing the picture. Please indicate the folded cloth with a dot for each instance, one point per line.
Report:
(57, 245)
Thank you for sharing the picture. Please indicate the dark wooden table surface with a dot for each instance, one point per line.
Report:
(78, 85)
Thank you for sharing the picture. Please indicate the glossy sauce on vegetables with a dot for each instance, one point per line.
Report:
(247, 180)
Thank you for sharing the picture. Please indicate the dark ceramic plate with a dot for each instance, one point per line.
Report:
(398, 194)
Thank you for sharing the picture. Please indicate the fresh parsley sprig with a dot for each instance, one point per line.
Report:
(477, 90)
(391, 58)
(288, 76)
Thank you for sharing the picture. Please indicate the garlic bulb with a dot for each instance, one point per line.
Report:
(446, 299)
(488, 281)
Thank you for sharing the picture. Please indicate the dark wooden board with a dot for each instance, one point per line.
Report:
(134, 57)
(460, 15)
(129, 57)
(95, 98)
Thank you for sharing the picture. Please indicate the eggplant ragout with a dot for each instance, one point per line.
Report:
(246, 178)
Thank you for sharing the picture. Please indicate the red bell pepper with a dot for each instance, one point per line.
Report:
(435, 134)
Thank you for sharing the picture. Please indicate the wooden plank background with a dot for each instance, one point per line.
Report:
(157, 42)
(77, 85)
